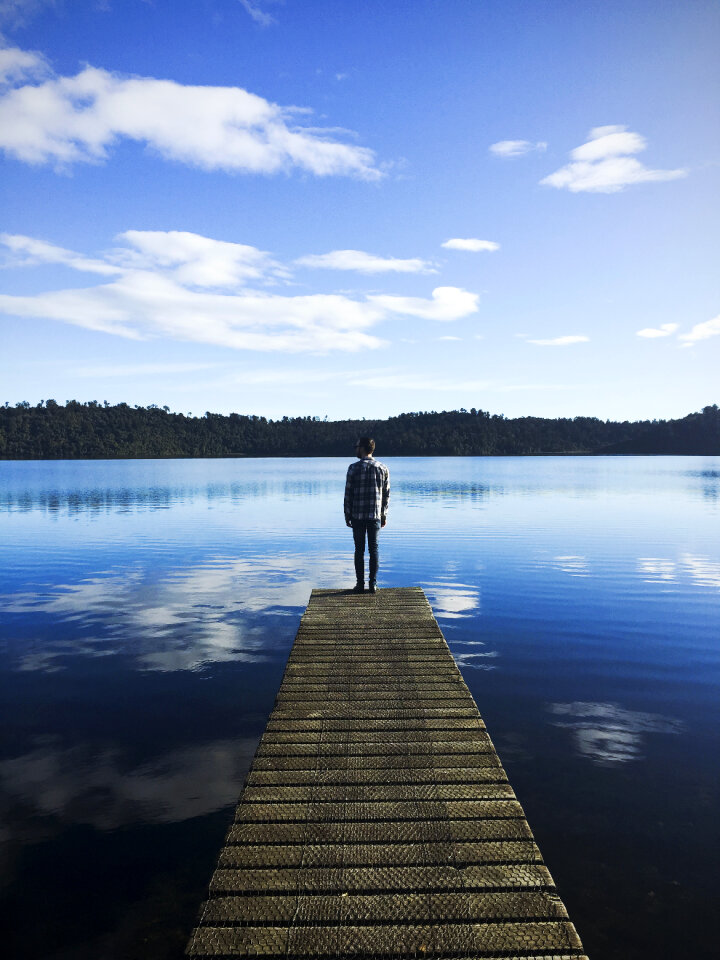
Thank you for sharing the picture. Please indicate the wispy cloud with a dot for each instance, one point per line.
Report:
(259, 15)
(362, 262)
(29, 251)
(448, 303)
(471, 244)
(701, 331)
(414, 381)
(604, 164)
(16, 13)
(664, 330)
(560, 341)
(516, 148)
(104, 370)
(68, 120)
(186, 287)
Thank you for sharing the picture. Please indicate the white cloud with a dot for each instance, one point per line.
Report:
(66, 120)
(664, 330)
(560, 341)
(363, 262)
(17, 65)
(471, 244)
(448, 303)
(195, 260)
(603, 164)
(142, 305)
(258, 15)
(186, 287)
(701, 331)
(516, 148)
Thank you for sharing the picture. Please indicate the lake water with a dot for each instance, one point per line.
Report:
(148, 609)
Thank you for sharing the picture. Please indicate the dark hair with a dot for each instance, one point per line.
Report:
(367, 443)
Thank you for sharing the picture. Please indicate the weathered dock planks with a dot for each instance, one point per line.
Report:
(377, 820)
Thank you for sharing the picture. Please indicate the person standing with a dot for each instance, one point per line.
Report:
(367, 495)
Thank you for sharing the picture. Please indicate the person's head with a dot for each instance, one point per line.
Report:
(364, 447)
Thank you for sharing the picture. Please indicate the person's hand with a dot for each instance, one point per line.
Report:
(348, 523)
(383, 521)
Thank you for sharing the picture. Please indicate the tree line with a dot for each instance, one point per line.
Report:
(52, 431)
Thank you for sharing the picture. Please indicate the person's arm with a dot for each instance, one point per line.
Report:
(385, 498)
(347, 503)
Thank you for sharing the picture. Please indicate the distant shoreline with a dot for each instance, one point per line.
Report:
(387, 456)
(93, 431)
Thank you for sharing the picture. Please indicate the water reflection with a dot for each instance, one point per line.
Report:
(575, 566)
(709, 478)
(475, 661)
(607, 733)
(656, 570)
(181, 621)
(701, 570)
(94, 785)
(93, 502)
(104, 500)
(450, 491)
(149, 607)
(452, 601)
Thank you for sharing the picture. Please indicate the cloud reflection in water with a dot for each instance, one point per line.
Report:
(476, 661)
(183, 621)
(452, 600)
(575, 566)
(84, 784)
(700, 570)
(607, 733)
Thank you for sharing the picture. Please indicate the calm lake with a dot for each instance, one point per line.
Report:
(148, 608)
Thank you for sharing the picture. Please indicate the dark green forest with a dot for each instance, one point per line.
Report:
(51, 431)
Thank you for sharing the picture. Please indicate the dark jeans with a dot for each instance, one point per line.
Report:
(359, 529)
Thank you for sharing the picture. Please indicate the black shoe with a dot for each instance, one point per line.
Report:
(372, 588)
(359, 588)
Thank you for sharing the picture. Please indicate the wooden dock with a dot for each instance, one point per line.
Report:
(377, 820)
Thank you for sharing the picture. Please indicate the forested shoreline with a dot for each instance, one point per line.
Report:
(92, 430)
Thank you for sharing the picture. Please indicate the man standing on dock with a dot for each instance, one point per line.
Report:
(367, 493)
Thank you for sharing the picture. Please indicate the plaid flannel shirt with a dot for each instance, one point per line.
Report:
(367, 490)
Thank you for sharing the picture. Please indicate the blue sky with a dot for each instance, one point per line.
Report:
(359, 209)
